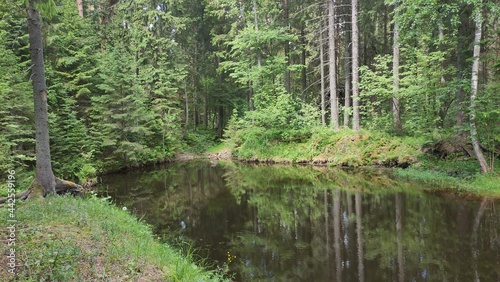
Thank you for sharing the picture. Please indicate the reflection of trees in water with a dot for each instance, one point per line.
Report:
(319, 224)
(168, 195)
(306, 223)
(428, 241)
(395, 237)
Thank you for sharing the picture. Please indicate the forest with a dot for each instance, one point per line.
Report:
(132, 82)
(89, 88)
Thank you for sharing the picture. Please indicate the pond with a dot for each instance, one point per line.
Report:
(294, 223)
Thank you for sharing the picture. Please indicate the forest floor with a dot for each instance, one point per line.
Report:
(68, 238)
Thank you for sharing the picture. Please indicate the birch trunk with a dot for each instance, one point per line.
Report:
(474, 85)
(79, 5)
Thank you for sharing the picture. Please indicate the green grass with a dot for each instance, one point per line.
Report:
(77, 239)
(323, 145)
(461, 175)
(485, 184)
(435, 178)
(216, 148)
(365, 148)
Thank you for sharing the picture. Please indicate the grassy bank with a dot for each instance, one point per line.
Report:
(77, 239)
(351, 149)
(460, 175)
(325, 146)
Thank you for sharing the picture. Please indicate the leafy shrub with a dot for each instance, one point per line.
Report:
(200, 140)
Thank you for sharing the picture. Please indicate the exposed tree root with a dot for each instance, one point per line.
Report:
(35, 190)
(448, 147)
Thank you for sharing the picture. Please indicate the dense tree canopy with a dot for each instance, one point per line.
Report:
(132, 82)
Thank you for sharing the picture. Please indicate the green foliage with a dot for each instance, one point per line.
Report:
(488, 119)
(16, 111)
(86, 169)
(486, 184)
(462, 175)
(200, 140)
(425, 95)
(320, 145)
(123, 82)
(376, 91)
(288, 120)
(255, 60)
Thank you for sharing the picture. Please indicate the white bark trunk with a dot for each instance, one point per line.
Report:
(79, 5)
(474, 86)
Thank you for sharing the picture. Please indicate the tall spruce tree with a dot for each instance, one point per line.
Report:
(43, 174)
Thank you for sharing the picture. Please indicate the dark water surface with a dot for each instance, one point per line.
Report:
(286, 223)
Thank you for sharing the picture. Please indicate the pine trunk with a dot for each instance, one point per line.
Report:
(474, 86)
(334, 110)
(347, 88)
(355, 64)
(44, 175)
(322, 72)
(396, 113)
(287, 48)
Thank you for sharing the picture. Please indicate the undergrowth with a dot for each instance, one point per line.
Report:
(324, 145)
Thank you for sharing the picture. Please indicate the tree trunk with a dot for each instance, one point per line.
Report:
(347, 87)
(79, 5)
(287, 48)
(303, 60)
(474, 85)
(355, 63)
(334, 110)
(396, 113)
(463, 31)
(322, 72)
(186, 101)
(220, 123)
(256, 23)
(44, 175)
(205, 109)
